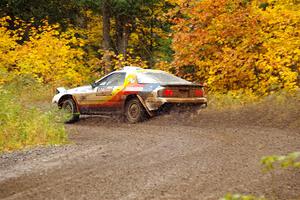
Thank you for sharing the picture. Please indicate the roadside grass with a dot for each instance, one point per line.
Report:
(278, 110)
(236, 99)
(25, 119)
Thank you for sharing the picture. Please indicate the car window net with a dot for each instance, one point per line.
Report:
(116, 79)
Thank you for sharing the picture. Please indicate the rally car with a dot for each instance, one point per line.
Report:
(133, 92)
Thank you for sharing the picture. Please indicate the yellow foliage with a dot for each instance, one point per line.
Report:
(94, 29)
(49, 55)
(118, 61)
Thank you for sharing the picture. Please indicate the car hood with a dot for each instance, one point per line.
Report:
(81, 89)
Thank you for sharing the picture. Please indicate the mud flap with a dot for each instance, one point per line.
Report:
(201, 107)
(143, 103)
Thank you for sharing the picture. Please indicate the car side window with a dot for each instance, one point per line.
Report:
(116, 79)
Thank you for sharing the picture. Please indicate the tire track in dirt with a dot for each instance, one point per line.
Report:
(156, 160)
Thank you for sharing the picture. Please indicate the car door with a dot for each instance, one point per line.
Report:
(106, 95)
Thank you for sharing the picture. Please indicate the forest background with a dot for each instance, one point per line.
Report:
(238, 46)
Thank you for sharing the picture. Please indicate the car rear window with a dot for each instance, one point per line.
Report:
(160, 77)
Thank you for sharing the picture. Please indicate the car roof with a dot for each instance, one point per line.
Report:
(132, 69)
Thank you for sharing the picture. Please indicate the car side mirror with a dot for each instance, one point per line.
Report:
(93, 85)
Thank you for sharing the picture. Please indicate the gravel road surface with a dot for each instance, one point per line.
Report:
(177, 156)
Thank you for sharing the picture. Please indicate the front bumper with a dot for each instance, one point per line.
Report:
(60, 92)
(55, 99)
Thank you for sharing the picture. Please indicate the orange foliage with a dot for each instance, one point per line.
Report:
(237, 44)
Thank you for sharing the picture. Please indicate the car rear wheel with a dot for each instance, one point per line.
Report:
(70, 109)
(134, 111)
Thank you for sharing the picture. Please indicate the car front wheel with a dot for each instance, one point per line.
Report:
(70, 109)
(134, 111)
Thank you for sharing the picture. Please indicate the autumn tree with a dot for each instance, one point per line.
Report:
(49, 56)
(137, 25)
(238, 44)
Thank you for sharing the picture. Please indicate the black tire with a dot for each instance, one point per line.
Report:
(70, 106)
(134, 111)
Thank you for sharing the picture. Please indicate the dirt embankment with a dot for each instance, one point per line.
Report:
(177, 156)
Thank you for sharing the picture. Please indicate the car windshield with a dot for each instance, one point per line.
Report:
(160, 77)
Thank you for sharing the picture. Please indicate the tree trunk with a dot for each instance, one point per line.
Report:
(119, 34)
(107, 46)
(123, 33)
(124, 41)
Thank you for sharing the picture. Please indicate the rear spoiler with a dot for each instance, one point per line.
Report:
(185, 85)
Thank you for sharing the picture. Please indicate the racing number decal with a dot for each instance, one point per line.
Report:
(102, 91)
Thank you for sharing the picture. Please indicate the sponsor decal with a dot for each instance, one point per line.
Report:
(134, 89)
(82, 98)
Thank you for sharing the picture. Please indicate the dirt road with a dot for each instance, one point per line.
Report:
(169, 157)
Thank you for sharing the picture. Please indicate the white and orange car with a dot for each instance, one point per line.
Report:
(133, 92)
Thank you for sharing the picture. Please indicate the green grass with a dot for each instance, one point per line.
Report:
(24, 120)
